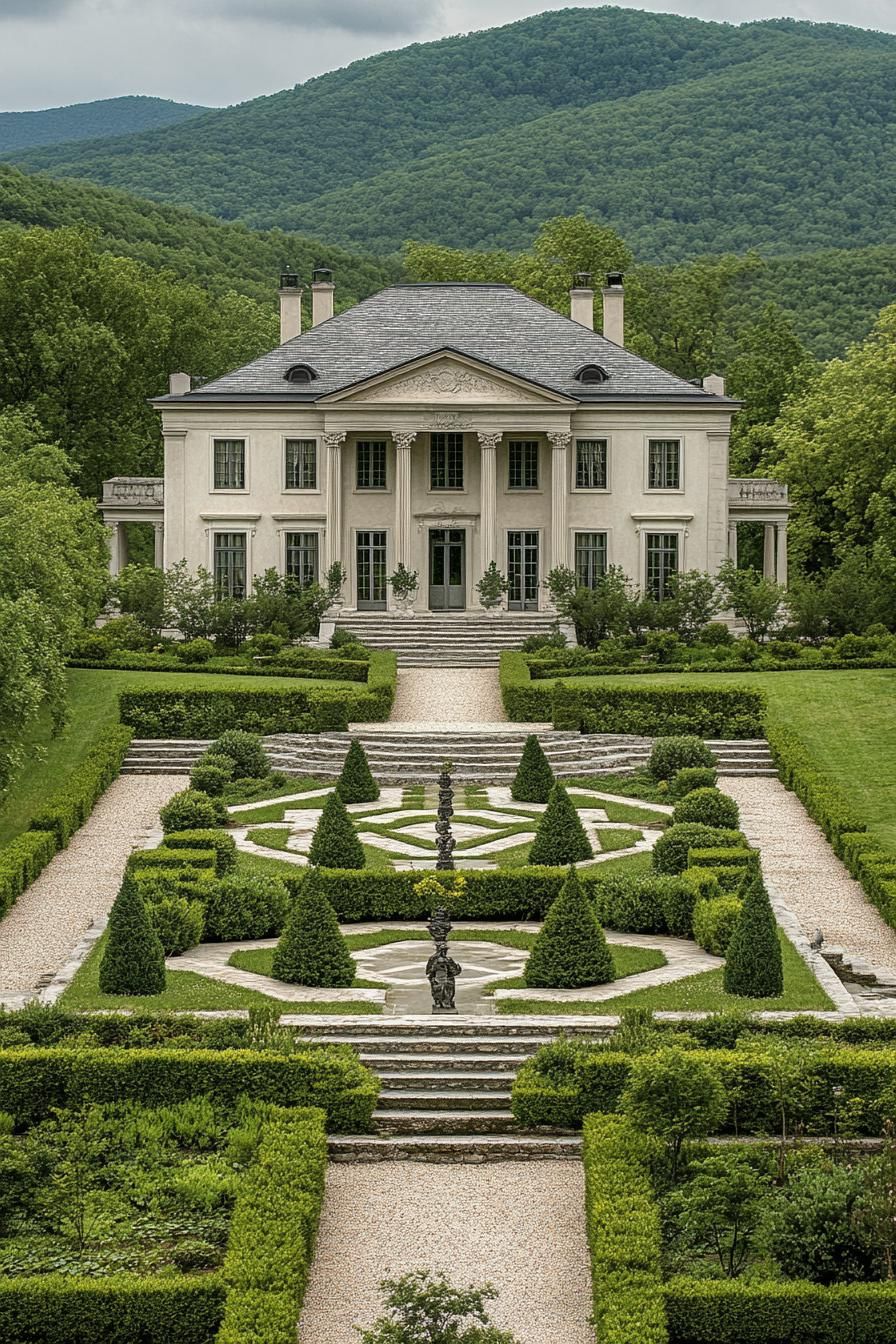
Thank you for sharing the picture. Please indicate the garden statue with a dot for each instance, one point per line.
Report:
(445, 840)
(439, 925)
(441, 972)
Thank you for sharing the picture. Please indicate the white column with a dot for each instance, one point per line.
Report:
(488, 498)
(768, 551)
(158, 558)
(403, 521)
(559, 497)
(782, 554)
(732, 542)
(113, 531)
(334, 444)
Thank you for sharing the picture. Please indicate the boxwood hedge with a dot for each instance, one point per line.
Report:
(120, 1309)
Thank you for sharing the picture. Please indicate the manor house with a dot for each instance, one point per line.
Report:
(445, 426)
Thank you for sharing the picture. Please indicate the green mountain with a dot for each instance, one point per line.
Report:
(688, 137)
(89, 121)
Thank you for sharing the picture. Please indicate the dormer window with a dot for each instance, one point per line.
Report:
(591, 373)
(300, 373)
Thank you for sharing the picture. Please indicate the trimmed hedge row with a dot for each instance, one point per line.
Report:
(730, 1311)
(273, 1230)
(336, 669)
(35, 1081)
(25, 857)
(208, 712)
(542, 671)
(660, 711)
(623, 1233)
(220, 843)
(600, 1077)
(120, 1309)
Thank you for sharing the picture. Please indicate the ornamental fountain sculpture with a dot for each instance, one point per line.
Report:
(444, 839)
(441, 968)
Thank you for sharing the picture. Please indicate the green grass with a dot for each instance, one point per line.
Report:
(185, 992)
(275, 812)
(636, 784)
(697, 993)
(259, 864)
(271, 837)
(640, 816)
(256, 791)
(377, 860)
(260, 961)
(626, 961)
(610, 840)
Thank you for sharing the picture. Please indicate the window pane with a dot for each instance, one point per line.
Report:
(371, 459)
(662, 561)
(301, 464)
(230, 564)
(522, 456)
(591, 557)
(591, 464)
(664, 464)
(230, 464)
(446, 461)
(301, 557)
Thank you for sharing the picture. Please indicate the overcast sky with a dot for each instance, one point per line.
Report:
(54, 52)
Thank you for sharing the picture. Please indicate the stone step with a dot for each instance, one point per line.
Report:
(468, 1081)
(438, 1032)
(420, 1060)
(467, 1148)
(439, 1098)
(445, 1122)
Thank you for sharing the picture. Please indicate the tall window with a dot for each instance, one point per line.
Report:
(301, 557)
(522, 457)
(446, 461)
(301, 464)
(664, 464)
(230, 464)
(591, 464)
(371, 459)
(662, 561)
(591, 557)
(230, 564)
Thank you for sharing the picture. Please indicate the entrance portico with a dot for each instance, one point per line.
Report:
(133, 499)
(755, 500)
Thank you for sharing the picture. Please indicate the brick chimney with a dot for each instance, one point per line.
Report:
(581, 301)
(290, 306)
(614, 308)
(322, 291)
(179, 384)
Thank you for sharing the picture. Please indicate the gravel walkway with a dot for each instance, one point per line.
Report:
(447, 695)
(81, 882)
(809, 877)
(519, 1225)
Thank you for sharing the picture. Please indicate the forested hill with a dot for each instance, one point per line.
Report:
(687, 137)
(89, 121)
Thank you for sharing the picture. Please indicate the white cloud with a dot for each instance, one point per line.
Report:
(385, 17)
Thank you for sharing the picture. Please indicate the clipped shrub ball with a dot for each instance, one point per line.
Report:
(753, 966)
(571, 950)
(714, 922)
(534, 778)
(670, 853)
(560, 838)
(693, 777)
(134, 960)
(311, 950)
(246, 750)
(250, 906)
(336, 843)
(195, 651)
(710, 806)
(212, 774)
(356, 784)
(192, 810)
(671, 754)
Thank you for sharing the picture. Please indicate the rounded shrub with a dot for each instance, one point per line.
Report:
(693, 777)
(251, 906)
(133, 961)
(571, 950)
(192, 810)
(211, 775)
(195, 651)
(753, 965)
(246, 750)
(716, 634)
(336, 843)
(311, 950)
(670, 853)
(676, 1096)
(671, 754)
(714, 921)
(534, 778)
(178, 922)
(560, 838)
(356, 784)
(710, 806)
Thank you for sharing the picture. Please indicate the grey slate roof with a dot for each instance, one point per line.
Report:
(492, 323)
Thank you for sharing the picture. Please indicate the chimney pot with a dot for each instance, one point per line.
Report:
(322, 292)
(290, 306)
(714, 383)
(581, 301)
(614, 308)
(179, 384)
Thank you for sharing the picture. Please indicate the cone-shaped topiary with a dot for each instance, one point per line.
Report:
(133, 962)
(753, 964)
(571, 950)
(356, 784)
(560, 838)
(336, 843)
(534, 777)
(311, 950)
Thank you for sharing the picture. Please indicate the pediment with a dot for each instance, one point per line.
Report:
(446, 379)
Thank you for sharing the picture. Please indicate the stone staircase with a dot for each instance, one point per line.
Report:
(436, 639)
(486, 754)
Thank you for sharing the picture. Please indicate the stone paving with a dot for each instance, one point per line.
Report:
(447, 695)
(519, 1225)
(210, 960)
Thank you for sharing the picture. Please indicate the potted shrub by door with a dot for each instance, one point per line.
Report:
(404, 589)
(491, 589)
(334, 579)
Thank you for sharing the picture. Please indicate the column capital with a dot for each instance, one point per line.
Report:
(560, 438)
(404, 438)
(488, 438)
(335, 440)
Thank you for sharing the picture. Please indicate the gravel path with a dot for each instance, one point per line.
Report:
(81, 882)
(447, 695)
(810, 878)
(519, 1225)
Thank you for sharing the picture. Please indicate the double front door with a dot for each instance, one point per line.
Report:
(447, 569)
(522, 571)
(370, 570)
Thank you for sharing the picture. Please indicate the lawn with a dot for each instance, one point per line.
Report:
(697, 993)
